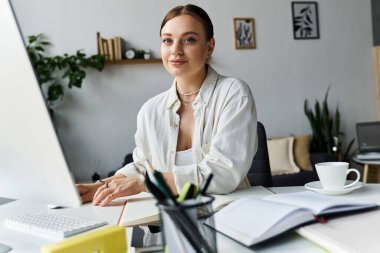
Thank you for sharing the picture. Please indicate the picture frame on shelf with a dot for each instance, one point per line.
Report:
(244, 33)
(305, 20)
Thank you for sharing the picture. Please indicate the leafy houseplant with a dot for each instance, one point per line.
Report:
(326, 134)
(57, 70)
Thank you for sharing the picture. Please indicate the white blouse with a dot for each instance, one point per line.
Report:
(184, 157)
(224, 138)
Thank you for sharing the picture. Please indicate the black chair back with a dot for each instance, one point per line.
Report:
(259, 173)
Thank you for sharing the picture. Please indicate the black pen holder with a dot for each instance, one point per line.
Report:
(186, 227)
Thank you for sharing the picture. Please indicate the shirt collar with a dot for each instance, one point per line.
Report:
(204, 94)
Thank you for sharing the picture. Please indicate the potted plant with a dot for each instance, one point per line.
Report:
(326, 142)
(53, 71)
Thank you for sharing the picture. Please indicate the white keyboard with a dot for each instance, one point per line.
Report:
(51, 225)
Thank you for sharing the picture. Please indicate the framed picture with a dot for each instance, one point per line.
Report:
(305, 20)
(244, 29)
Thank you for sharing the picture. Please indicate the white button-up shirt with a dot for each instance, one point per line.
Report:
(224, 138)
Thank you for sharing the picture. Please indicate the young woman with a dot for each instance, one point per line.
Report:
(205, 123)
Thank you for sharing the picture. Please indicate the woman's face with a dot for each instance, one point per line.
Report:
(184, 47)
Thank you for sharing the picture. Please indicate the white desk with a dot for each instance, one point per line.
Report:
(22, 243)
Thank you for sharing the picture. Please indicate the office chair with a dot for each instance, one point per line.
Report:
(259, 173)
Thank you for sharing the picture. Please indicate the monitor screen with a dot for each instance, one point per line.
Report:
(368, 134)
(32, 163)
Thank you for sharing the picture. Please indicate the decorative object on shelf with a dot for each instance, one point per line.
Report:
(112, 49)
(130, 53)
(147, 54)
(326, 134)
(53, 71)
(244, 33)
(305, 20)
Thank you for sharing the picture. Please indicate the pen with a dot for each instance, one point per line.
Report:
(154, 190)
(189, 191)
(205, 184)
(151, 186)
(190, 231)
(159, 188)
(165, 189)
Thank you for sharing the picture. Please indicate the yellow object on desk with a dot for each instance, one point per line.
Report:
(106, 240)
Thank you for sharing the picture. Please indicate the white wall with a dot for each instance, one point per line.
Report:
(97, 123)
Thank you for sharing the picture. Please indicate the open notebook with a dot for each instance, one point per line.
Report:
(251, 220)
(141, 209)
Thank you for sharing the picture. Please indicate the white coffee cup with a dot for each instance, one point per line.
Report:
(333, 175)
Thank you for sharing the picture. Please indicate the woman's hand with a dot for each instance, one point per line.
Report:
(87, 191)
(118, 187)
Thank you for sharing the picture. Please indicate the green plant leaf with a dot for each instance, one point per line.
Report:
(337, 121)
(326, 134)
(39, 48)
(32, 39)
(55, 92)
(59, 70)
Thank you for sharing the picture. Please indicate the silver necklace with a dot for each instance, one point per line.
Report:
(188, 94)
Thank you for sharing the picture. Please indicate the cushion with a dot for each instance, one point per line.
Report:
(281, 156)
(301, 152)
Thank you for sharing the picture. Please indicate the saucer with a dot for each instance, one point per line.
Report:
(317, 187)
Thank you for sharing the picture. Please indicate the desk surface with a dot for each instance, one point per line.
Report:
(292, 243)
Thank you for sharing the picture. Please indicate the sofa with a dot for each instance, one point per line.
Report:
(290, 161)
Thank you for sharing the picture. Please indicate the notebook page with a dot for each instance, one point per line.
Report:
(139, 209)
(254, 191)
(251, 220)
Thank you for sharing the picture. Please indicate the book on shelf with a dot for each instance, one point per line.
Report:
(111, 48)
(111, 52)
(116, 47)
(141, 209)
(251, 220)
(105, 48)
(119, 48)
(100, 44)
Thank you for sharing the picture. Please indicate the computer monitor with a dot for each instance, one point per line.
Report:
(368, 134)
(32, 162)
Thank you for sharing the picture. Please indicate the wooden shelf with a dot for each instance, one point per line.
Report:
(135, 61)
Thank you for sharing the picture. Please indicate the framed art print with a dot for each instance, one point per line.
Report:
(244, 29)
(305, 20)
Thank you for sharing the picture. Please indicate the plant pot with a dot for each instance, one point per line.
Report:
(322, 157)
